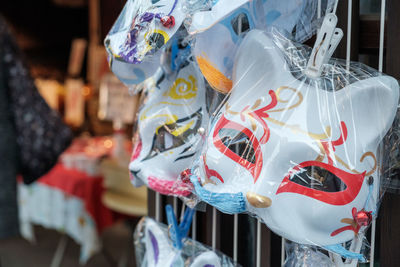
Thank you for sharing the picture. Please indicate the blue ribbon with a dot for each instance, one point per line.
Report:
(230, 203)
(178, 233)
(339, 249)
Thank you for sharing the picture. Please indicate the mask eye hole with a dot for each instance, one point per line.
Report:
(240, 23)
(239, 143)
(173, 135)
(156, 40)
(318, 178)
(165, 140)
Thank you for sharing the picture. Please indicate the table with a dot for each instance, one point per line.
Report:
(68, 201)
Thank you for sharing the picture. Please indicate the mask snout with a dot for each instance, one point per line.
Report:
(258, 201)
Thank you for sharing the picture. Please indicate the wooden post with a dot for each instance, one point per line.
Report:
(94, 39)
(390, 211)
(342, 12)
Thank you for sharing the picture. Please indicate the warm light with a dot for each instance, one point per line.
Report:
(108, 143)
(86, 91)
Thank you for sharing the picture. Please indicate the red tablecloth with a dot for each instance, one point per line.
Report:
(79, 184)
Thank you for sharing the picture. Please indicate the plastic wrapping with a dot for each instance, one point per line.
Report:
(305, 256)
(220, 29)
(144, 27)
(391, 163)
(135, 41)
(297, 20)
(169, 130)
(214, 48)
(304, 155)
(154, 248)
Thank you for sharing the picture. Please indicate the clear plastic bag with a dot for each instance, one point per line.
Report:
(305, 256)
(154, 248)
(220, 26)
(297, 20)
(214, 48)
(136, 39)
(171, 123)
(391, 162)
(304, 155)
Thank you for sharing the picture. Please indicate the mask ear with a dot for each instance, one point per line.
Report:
(204, 20)
(369, 106)
(158, 248)
(205, 259)
(258, 62)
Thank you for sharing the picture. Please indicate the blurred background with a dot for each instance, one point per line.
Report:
(61, 41)
(76, 215)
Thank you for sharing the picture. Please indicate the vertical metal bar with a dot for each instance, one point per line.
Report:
(175, 204)
(182, 212)
(348, 45)
(158, 206)
(258, 246)
(338, 260)
(194, 226)
(372, 256)
(283, 251)
(235, 236)
(319, 9)
(381, 34)
(214, 229)
(319, 12)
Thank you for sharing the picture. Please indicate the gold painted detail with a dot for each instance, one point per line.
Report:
(182, 129)
(323, 153)
(249, 113)
(297, 129)
(281, 100)
(258, 201)
(349, 221)
(183, 89)
(213, 75)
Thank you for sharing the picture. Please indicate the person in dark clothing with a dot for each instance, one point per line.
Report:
(32, 135)
(8, 157)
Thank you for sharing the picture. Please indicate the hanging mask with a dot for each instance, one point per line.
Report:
(134, 42)
(215, 47)
(168, 126)
(220, 31)
(300, 153)
(155, 249)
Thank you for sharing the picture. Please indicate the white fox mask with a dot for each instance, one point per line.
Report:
(167, 131)
(134, 42)
(304, 159)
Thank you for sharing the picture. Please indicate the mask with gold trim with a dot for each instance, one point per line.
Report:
(167, 137)
(134, 42)
(214, 47)
(301, 154)
(220, 30)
